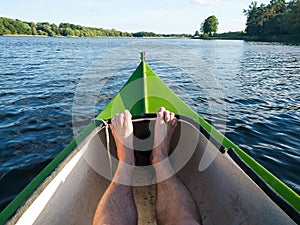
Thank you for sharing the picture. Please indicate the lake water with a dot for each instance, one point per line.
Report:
(256, 86)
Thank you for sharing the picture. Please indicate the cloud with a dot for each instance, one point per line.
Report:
(207, 2)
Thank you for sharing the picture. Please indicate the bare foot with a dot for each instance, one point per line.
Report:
(122, 131)
(165, 125)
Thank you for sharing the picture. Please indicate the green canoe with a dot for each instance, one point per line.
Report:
(229, 187)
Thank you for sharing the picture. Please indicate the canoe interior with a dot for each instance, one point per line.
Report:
(224, 193)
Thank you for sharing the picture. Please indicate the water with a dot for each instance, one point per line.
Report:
(260, 85)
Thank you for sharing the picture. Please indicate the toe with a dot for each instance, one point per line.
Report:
(127, 117)
(173, 119)
(113, 122)
(116, 120)
(174, 122)
(172, 116)
(167, 116)
(121, 120)
(160, 112)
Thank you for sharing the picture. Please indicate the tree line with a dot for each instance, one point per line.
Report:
(17, 27)
(276, 18)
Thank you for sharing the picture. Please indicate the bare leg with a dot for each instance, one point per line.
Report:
(117, 204)
(174, 203)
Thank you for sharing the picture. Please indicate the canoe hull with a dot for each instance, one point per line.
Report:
(223, 192)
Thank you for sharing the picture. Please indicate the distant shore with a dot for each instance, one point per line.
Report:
(17, 27)
(104, 37)
(279, 38)
(245, 37)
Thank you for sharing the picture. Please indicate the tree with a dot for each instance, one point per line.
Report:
(33, 28)
(276, 18)
(45, 28)
(292, 17)
(275, 21)
(252, 14)
(54, 28)
(210, 25)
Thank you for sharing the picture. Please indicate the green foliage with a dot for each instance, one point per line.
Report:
(151, 35)
(146, 34)
(45, 29)
(33, 28)
(292, 18)
(17, 27)
(238, 35)
(276, 18)
(210, 25)
(10, 26)
(204, 35)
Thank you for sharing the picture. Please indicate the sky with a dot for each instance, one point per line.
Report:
(158, 16)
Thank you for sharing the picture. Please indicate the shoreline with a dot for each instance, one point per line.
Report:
(108, 37)
(283, 39)
(256, 39)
